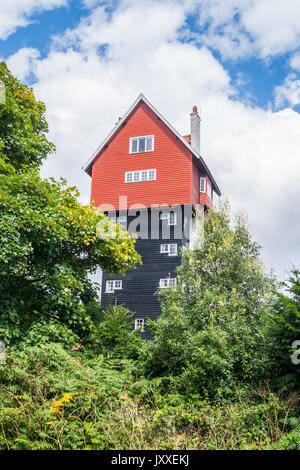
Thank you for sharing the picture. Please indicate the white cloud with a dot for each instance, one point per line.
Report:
(16, 13)
(295, 61)
(252, 152)
(289, 92)
(23, 62)
(238, 28)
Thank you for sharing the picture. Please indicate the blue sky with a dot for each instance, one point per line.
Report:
(238, 60)
(254, 78)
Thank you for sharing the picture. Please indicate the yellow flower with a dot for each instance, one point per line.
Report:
(58, 404)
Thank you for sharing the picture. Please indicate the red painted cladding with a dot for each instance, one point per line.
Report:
(175, 179)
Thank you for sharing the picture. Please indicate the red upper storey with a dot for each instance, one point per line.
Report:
(120, 168)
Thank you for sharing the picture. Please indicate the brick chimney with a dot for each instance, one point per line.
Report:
(195, 129)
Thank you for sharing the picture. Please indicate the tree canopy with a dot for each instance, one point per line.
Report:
(212, 332)
(23, 125)
(49, 241)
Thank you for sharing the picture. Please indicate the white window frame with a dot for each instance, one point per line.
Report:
(167, 217)
(141, 137)
(202, 179)
(136, 176)
(167, 282)
(165, 248)
(136, 325)
(113, 282)
(175, 218)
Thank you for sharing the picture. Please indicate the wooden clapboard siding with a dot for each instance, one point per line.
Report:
(140, 285)
(171, 159)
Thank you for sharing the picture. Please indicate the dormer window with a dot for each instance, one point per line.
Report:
(141, 144)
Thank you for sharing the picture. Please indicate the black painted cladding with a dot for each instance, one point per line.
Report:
(139, 286)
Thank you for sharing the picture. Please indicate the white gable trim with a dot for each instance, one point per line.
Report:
(88, 165)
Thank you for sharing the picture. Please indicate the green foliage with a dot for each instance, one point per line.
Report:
(49, 241)
(285, 329)
(51, 398)
(43, 332)
(113, 334)
(22, 124)
(212, 332)
(49, 245)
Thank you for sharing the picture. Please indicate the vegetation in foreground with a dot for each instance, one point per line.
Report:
(218, 373)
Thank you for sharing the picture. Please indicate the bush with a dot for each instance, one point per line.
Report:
(51, 398)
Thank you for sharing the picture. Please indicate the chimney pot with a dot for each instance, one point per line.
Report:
(195, 109)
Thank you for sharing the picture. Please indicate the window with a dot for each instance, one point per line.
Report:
(170, 217)
(139, 323)
(173, 249)
(128, 176)
(111, 286)
(117, 284)
(141, 144)
(139, 176)
(151, 175)
(202, 185)
(164, 283)
(169, 248)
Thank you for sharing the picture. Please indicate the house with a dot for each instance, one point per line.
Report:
(153, 180)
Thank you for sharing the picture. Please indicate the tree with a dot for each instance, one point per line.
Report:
(212, 331)
(285, 329)
(49, 241)
(114, 335)
(23, 125)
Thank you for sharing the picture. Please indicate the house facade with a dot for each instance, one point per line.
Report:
(149, 178)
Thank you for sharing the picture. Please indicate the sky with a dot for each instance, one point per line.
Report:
(238, 60)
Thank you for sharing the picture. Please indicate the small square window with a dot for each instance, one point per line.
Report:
(173, 249)
(164, 248)
(117, 284)
(163, 283)
(144, 175)
(139, 323)
(172, 218)
(128, 177)
(136, 176)
(173, 281)
(109, 286)
(151, 175)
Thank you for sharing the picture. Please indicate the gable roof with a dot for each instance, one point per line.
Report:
(87, 167)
